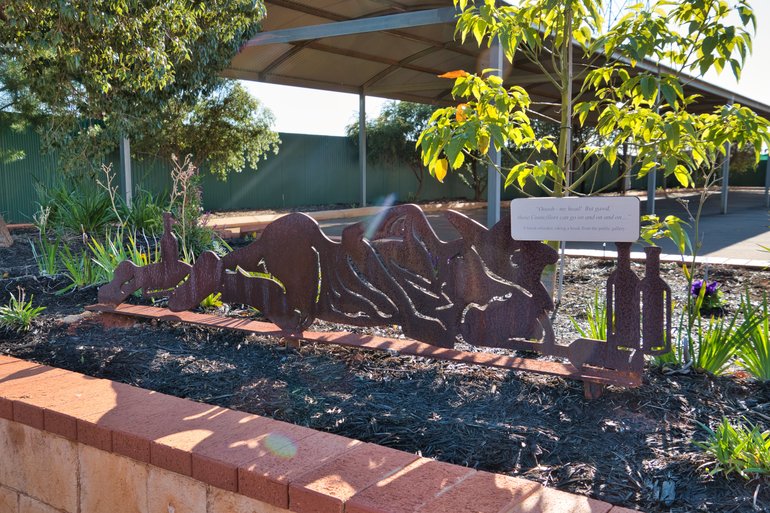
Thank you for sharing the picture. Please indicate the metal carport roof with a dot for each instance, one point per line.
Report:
(394, 49)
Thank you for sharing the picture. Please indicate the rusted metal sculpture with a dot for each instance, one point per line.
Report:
(482, 289)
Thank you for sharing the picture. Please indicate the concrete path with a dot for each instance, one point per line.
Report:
(733, 239)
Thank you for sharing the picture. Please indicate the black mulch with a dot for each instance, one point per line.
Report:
(631, 447)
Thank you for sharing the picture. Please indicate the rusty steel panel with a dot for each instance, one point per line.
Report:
(483, 288)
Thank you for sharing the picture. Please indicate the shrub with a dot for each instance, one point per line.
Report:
(96, 264)
(146, 213)
(78, 268)
(75, 209)
(45, 251)
(119, 247)
(46, 255)
(19, 313)
(743, 449)
(186, 206)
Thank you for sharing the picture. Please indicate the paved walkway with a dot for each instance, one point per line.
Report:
(733, 239)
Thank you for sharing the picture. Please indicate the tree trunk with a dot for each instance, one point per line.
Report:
(6, 240)
(479, 182)
(419, 174)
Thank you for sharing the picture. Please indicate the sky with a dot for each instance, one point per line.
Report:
(309, 111)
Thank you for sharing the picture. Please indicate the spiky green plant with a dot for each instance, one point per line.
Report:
(212, 301)
(18, 313)
(717, 341)
(596, 316)
(118, 247)
(743, 449)
(754, 354)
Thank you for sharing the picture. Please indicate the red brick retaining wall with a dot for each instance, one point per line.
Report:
(74, 444)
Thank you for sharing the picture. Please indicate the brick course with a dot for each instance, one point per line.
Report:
(74, 444)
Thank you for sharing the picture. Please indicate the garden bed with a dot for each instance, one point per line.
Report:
(631, 447)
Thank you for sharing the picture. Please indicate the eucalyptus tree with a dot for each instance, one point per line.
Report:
(101, 69)
(223, 131)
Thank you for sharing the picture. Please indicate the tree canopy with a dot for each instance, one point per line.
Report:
(628, 103)
(223, 131)
(391, 136)
(101, 69)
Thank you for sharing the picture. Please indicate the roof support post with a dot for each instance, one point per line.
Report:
(767, 183)
(125, 169)
(651, 186)
(494, 184)
(725, 177)
(362, 144)
(726, 172)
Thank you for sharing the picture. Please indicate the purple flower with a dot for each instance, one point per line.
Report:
(711, 288)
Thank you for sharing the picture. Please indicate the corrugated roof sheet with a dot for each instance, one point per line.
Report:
(398, 63)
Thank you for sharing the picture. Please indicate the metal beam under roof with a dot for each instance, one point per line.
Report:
(352, 27)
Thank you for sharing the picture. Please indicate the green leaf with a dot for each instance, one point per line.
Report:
(682, 176)
(672, 133)
(669, 93)
(479, 30)
(708, 45)
(736, 69)
(646, 168)
(649, 87)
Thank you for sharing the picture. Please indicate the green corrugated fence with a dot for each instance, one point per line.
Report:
(308, 170)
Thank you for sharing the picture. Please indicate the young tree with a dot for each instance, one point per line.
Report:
(628, 103)
(391, 137)
(102, 69)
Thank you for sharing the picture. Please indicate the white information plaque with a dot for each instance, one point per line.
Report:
(587, 219)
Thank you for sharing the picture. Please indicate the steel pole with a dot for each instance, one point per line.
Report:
(125, 169)
(494, 183)
(362, 144)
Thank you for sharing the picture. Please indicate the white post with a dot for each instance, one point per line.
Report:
(725, 178)
(125, 169)
(362, 144)
(726, 172)
(494, 183)
(767, 183)
(651, 185)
